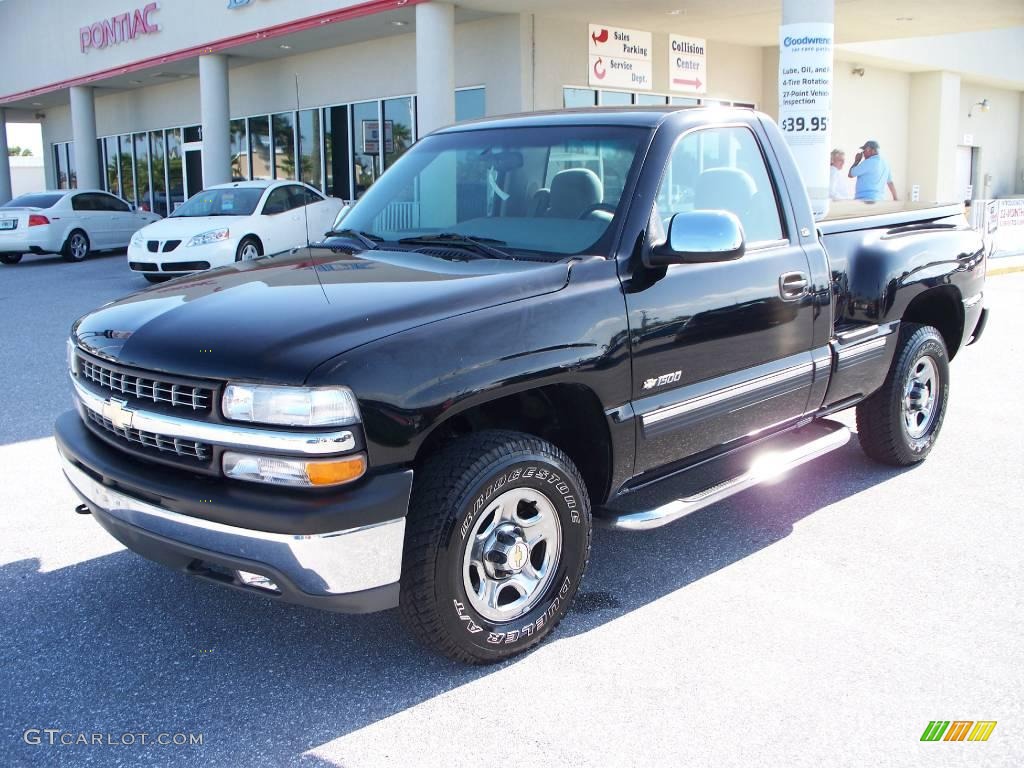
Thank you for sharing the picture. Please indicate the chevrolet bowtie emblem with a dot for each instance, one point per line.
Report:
(117, 412)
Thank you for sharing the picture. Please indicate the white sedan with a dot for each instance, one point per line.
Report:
(73, 223)
(232, 222)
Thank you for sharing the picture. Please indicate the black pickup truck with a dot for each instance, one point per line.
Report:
(526, 325)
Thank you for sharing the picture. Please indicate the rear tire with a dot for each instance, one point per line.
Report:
(76, 247)
(10, 258)
(497, 539)
(248, 249)
(157, 278)
(899, 423)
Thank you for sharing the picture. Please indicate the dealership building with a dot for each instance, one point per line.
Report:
(153, 100)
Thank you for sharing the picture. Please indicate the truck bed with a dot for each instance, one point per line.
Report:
(856, 215)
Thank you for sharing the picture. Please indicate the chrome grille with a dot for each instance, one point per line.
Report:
(144, 388)
(173, 445)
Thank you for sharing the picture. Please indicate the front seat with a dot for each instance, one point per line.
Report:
(725, 189)
(574, 191)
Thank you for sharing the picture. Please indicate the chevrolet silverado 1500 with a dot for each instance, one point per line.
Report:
(526, 325)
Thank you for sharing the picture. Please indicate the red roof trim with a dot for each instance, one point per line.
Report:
(217, 46)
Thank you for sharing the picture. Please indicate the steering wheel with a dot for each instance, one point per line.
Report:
(607, 207)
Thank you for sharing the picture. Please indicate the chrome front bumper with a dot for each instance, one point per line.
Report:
(309, 569)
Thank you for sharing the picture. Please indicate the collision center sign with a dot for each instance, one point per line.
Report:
(119, 28)
(620, 58)
(687, 64)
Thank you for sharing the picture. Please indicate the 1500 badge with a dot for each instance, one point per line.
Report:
(668, 378)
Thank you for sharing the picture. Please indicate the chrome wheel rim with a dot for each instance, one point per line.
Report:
(511, 554)
(79, 248)
(249, 252)
(920, 397)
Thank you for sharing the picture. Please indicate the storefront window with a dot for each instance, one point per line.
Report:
(398, 135)
(158, 180)
(685, 101)
(144, 200)
(470, 104)
(366, 145)
(72, 168)
(126, 163)
(283, 125)
(616, 99)
(579, 97)
(239, 151)
(259, 147)
(60, 166)
(336, 152)
(650, 99)
(175, 177)
(110, 155)
(309, 148)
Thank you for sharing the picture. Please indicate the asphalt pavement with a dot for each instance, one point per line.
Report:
(820, 621)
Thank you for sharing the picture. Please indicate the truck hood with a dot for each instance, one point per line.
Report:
(275, 319)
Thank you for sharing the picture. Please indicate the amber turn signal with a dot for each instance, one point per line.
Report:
(336, 472)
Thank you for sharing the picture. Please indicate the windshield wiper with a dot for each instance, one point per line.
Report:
(368, 240)
(484, 245)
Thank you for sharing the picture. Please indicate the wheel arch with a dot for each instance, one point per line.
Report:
(569, 416)
(942, 308)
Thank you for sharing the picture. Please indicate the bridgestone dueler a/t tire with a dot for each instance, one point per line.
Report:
(880, 426)
(450, 493)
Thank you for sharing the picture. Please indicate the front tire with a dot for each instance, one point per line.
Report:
(10, 258)
(898, 424)
(248, 249)
(76, 247)
(497, 539)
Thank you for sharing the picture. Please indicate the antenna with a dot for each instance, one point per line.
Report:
(298, 158)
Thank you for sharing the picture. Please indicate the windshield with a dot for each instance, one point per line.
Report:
(34, 201)
(230, 201)
(551, 190)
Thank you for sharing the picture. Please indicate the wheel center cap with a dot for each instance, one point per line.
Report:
(517, 556)
(506, 552)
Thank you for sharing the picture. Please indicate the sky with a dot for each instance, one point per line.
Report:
(26, 135)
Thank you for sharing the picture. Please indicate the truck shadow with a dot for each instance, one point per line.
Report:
(118, 645)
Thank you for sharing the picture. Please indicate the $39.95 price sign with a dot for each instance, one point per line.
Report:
(801, 124)
(805, 103)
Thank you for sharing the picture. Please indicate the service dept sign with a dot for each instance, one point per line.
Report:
(620, 58)
(805, 103)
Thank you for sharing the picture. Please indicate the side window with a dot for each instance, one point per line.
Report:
(300, 196)
(83, 203)
(110, 203)
(277, 202)
(722, 169)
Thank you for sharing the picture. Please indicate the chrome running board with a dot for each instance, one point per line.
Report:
(767, 466)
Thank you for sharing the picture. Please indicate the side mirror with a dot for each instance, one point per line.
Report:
(698, 237)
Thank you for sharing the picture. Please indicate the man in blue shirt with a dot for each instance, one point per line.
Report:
(872, 174)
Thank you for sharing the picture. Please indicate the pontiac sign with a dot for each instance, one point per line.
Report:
(119, 29)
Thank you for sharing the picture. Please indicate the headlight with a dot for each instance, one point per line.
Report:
(138, 241)
(306, 473)
(290, 406)
(213, 236)
(72, 358)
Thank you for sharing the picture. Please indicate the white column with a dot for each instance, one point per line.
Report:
(935, 113)
(806, 40)
(83, 131)
(435, 66)
(5, 163)
(216, 117)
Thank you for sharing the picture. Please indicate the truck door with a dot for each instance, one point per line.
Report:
(720, 350)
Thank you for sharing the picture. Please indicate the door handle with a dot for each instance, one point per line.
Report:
(793, 285)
